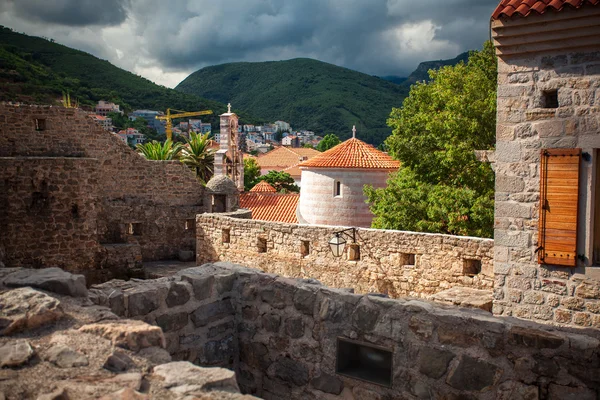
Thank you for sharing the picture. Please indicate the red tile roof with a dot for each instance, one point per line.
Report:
(524, 8)
(263, 186)
(276, 207)
(285, 157)
(352, 153)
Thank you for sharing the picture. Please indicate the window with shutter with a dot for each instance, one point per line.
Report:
(559, 198)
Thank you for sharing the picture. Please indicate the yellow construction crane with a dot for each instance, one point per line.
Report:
(181, 114)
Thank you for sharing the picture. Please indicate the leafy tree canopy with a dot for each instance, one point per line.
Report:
(441, 186)
(281, 181)
(251, 173)
(160, 151)
(330, 140)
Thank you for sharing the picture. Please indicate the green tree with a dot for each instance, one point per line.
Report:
(198, 155)
(330, 140)
(282, 181)
(251, 173)
(441, 186)
(308, 145)
(160, 151)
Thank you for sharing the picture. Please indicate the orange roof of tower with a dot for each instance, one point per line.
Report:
(275, 207)
(524, 8)
(263, 187)
(352, 153)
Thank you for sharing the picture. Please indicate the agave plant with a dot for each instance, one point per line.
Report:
(198, 155)
(160, 151)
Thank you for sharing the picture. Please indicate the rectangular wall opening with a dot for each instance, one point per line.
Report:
(407, 259)
(261, 244)
(304, 248)
(226, 235)
(364, 361)
(190, 224)
(134, 229)
(471, 267)
(550, 98)
(40, 124)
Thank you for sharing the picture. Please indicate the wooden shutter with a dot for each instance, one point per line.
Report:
(559, 199)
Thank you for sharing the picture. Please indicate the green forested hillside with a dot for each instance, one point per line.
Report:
(422, 71)
(36, 70)
(309, 94)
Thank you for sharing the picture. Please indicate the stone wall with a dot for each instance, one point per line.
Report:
(48, 211)
(148, 203)
(524, 288)
(280, 335)
(385, 265)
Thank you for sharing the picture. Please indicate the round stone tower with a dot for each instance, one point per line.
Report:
(332, 183)
(221, 195)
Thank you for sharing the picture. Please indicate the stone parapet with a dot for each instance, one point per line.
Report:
(396, 263)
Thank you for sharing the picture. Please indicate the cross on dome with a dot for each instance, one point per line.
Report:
(228, 108)
(354, 131)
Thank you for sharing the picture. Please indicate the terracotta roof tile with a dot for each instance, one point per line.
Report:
(263, 186)
(284, 157)
(276, 207)
(524, 8)
(352, 153)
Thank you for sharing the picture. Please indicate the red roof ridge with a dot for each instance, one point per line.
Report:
(264, 187)
(524, 8)
(353, 153)
(268, 206)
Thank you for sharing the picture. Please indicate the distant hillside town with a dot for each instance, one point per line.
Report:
(258, 139)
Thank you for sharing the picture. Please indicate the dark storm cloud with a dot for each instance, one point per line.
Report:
(73, 12)
(368, 35)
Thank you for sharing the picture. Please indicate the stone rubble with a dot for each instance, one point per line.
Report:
(25, 309)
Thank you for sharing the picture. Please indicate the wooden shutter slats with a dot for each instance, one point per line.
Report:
(559, 198)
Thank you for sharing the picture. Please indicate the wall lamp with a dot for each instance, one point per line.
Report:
(338, 243)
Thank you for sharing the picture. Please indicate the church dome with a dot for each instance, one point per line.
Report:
(221, 184)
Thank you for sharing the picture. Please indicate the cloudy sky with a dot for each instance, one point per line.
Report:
(166, 40)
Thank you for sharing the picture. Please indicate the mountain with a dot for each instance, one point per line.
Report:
(394, 79)
(307, 93)
(37, 70)
(421, 73)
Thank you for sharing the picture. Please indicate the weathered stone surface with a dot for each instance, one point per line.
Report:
(365, 317)
(172, 322)
(26, 308)
(129, 334)
(514, 390)
(534, 338)
(178, 294)
(289, 370)
(255, 355)
(217, 351)
(58, 394)
(185, 378)
(118, 361)
(294, 327)
(224, 283)
(304, 300)
(15, 353)
(434, 362)
(220, 329)
(211, 312)
(570, 393)
(328, 384)
(125, 394)
(202, 284)
(155, 355)
(142, 302)
(186, 255)
(65, 357)
(472, 374)
(131, 380)
(271, 322)
(466, 297)
(51, 279)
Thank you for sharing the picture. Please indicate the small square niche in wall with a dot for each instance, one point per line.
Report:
(40, 124)
(550, 98)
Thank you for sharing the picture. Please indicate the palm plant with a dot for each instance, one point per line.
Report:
(198, 155)
(160, 151)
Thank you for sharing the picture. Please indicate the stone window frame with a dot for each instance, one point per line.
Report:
(337, 189)
(40, 124)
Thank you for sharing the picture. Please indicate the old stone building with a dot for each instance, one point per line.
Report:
(73, 195)
(229, 158)
(332, 183)
(547, 217)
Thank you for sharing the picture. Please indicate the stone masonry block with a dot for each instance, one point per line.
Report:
(509, 184)
(513, 210)
(511, 238)
(508, 152)
(549, 128)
